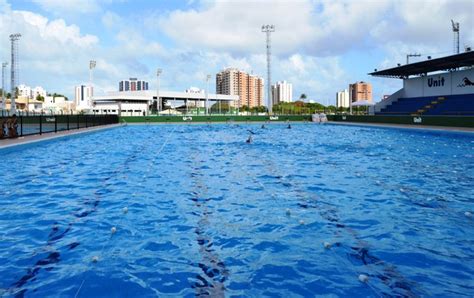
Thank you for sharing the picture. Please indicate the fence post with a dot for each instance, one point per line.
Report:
(55, 123)
(67, 117)
(21, 126)
(86, 120)
(41, 124)
(77, 121)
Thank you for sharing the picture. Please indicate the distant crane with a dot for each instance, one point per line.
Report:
(412, 55)
(456, 36)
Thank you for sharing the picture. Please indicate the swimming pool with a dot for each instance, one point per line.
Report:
(199, 211)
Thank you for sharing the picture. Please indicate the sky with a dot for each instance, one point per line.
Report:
(320, 46)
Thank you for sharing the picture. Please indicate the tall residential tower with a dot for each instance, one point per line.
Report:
(282, 92)
(249, 88)
(360, 91)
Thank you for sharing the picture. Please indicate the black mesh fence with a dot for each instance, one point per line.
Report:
(32, 124)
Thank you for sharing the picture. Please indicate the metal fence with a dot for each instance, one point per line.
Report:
(40, 124)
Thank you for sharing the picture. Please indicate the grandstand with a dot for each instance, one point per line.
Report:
(437, 87)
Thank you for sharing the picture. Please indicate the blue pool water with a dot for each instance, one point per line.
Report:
(210, 214)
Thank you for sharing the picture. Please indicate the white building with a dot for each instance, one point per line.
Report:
(57, 104)
(342, 99)
(24, 91)
(282, 92)
(83, 97)
(38, 90)
(30, 93)
(137, 103)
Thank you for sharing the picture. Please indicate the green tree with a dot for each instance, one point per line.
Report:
(223, 108)
(39, 98)
(303, 96)
(57, 95)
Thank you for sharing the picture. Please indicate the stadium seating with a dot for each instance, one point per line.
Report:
(406, 106)
(454, 105)
(433, 105)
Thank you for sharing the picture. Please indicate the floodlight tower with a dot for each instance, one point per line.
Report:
(92, 65)
(456, 36)
(269, 29)
(4, 65)
(158, 101)
(13, 66)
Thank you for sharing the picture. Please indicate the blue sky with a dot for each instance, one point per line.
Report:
(319, 46)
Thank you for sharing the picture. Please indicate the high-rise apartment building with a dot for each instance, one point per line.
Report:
(282, 92)
(249, 88)
(342, 99)
(360, 91)
(133, 84)
(83, 97)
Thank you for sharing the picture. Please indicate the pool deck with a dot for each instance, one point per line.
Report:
(7, 143)
(407, 126)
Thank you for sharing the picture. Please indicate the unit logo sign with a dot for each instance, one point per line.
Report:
(439, 82)
(466, 82)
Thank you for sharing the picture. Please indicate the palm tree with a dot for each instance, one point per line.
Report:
(303, 96)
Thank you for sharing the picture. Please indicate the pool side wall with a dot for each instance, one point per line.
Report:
(174, 119)
(453, 121)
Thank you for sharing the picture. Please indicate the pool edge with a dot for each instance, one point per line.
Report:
(34, 139)
(407, 126)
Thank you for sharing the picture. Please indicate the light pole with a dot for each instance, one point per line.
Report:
(158, 100)
(4, 65)
(13, 75)
(92, 65)
(208, 77)
(269, 29)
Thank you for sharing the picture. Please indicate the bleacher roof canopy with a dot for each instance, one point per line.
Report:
(419, 68)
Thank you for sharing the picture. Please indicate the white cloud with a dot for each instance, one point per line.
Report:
(426, 23)
(236, 26)
(111, 20)
(51, 52)
(4, 6)
(316, 28)
(69, 6)
(309, 43)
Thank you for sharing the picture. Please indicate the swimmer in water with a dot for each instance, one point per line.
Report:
(249, 140)
(263, 126)
(250, 131)
(289, 126)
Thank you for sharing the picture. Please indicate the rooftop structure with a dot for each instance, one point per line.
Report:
(427, 90)
(137, 103)
(447, 63)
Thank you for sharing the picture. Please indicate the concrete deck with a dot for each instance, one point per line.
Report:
(407, 126)
(7, 143)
